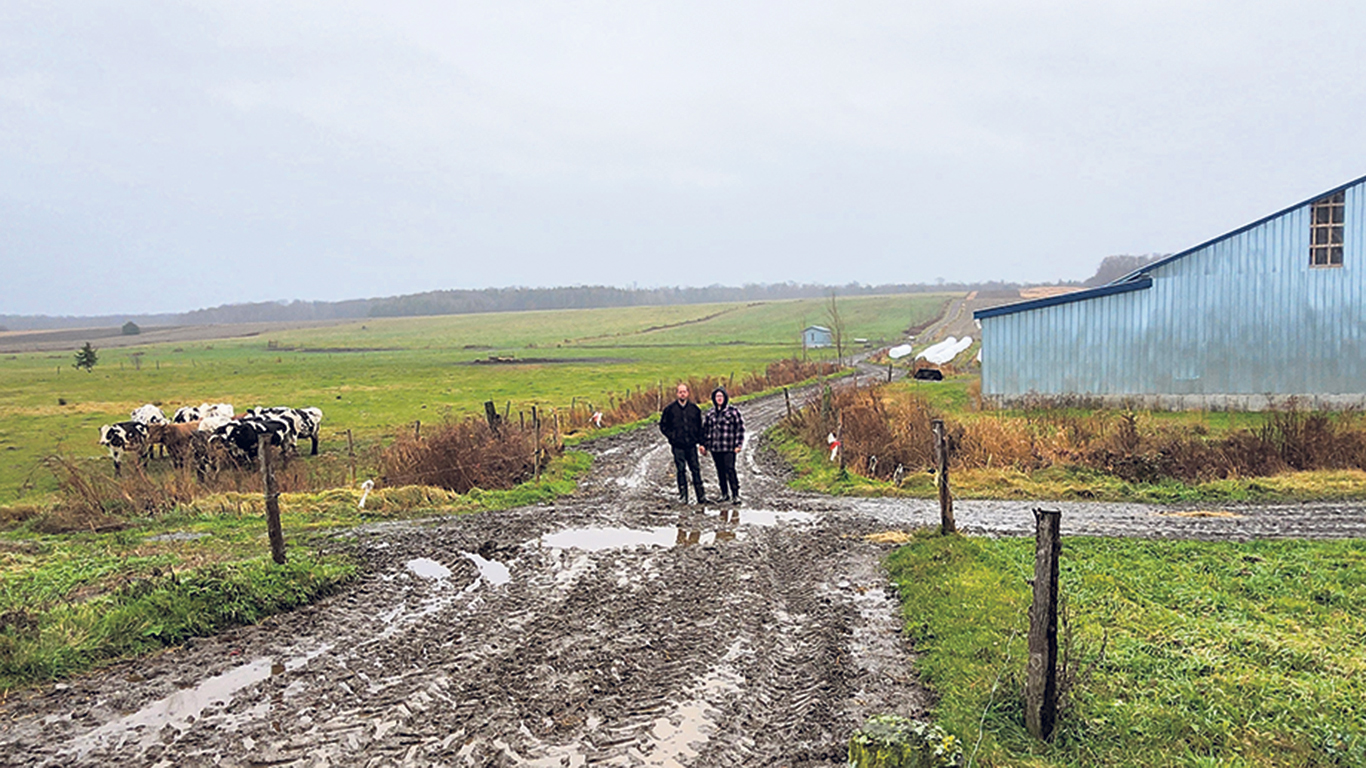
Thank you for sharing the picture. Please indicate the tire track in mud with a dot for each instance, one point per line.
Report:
(623, 630)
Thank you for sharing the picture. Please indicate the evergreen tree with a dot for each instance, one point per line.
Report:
(86, 358)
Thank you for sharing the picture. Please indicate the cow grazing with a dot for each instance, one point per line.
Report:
(313, 420)
(307, 422)
(178, 440)
(122, 438)
(241, 438)
(149, 414)
(211, 423)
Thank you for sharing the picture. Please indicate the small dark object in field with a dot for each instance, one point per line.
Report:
(61, 401)
(929, 374)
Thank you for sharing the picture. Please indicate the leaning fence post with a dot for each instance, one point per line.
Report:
(351, 455)
(787, 399)
(491, 415)
(277, 535)
(941, 456)
(1041, 677)
(536, 455)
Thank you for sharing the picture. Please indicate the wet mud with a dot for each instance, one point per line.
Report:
(615, 627)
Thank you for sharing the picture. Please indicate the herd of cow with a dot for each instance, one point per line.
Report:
(209, 434)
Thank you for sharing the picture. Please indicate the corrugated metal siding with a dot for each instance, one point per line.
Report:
(1244, 315)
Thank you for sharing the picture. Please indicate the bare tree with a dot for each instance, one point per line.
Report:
(832, 315)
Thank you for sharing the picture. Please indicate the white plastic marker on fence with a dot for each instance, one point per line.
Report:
(365, 488)
(834, 446)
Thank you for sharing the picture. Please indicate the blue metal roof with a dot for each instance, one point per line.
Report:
(1136, 284)
(1138, 279)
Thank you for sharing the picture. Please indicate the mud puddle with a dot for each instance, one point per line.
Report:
(180, 709)
(703, 530)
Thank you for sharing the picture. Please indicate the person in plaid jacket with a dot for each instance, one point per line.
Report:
(723, 433)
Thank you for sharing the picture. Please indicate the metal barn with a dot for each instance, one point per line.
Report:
(1271, 311)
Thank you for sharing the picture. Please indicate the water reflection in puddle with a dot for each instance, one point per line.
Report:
(704, 530)
(491, 571)
(181, 708)
(428, 568)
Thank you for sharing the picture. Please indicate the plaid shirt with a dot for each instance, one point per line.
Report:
(723, 429)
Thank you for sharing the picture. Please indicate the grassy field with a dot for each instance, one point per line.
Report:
(376, 376)
(70, 602)
(1189, 654)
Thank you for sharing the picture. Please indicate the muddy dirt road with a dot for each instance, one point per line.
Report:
(612, 628)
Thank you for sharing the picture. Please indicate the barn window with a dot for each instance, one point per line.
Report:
(1325, 231)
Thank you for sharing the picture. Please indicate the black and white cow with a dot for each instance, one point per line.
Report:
(202, 412)
(149, 414)
(122, 438)
(241, 438)
(307, 422)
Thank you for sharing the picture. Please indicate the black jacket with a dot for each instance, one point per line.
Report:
(681, 424)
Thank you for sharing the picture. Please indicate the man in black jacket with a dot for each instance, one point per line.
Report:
(681, 423)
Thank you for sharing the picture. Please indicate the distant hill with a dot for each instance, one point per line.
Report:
(459, 302)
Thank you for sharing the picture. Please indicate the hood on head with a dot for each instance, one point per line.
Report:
(725, 398)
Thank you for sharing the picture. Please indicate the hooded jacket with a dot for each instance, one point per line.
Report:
(723, 429)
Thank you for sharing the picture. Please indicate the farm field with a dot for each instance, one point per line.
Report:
(376, 376)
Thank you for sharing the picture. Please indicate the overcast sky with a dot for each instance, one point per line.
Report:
(162, 156)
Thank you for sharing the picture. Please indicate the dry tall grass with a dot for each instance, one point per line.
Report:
(884, 430)
(465, 454)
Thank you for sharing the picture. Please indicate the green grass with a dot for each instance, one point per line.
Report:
(1214, 654)
(70, 602)
(406, 369)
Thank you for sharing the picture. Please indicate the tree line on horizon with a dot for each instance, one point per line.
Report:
(512, 299)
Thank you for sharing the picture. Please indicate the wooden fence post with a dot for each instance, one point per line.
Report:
(417, 429)
(787, 399)
(941, 457)
(491, 415)
(1041, 676)
(277, 535)
(536, 458)
(351, 455)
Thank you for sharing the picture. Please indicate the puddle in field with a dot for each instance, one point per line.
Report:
(491, 571)
(708, 529)
(180, 709)
(428, 568)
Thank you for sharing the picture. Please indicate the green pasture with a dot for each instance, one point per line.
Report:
(377, 376)
(1187, 653)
